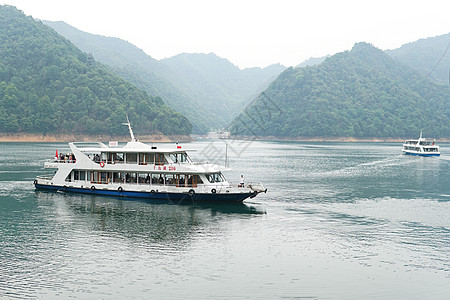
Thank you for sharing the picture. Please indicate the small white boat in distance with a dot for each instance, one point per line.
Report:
(421, 147)
(138, 170)
(218, 134)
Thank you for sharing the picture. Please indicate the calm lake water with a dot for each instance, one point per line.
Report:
(339, 221)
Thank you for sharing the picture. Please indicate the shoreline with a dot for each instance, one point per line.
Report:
(66, 138)
(329, 139)
(161, 138)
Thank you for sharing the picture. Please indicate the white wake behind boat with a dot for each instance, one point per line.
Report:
(421, 147)
(141, 171)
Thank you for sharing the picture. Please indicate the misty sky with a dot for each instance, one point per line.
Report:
(250, 33)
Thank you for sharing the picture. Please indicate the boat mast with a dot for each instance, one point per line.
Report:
(133, 139)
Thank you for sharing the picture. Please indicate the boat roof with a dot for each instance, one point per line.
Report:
(130, 147)
(422, 139)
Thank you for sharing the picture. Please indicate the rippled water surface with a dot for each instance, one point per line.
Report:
(339, 221)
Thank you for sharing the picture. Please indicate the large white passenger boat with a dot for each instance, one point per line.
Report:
(142, 171)
(421, 147)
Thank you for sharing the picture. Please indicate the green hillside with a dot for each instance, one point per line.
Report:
(431, 57)
(132, 64)
(47, 85)
(219, 86)
(358, 93)
(209, 90)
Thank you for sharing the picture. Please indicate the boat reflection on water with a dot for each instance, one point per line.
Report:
(157, 220)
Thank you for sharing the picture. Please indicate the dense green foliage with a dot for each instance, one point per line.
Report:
(358, 93)
(430, 56)
(207, 89)
(47, 85)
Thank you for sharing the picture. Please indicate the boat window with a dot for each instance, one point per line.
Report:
(102, 177)
(143, 178)
(178, 157)
(146, 158)
(130, 178)
(181, 180)
(95, 177)
(131, 158)
(157, 179)
(160, 159)
(118, 158)
(116, 177)
(215, 177)
(193, 180)
(113, 158)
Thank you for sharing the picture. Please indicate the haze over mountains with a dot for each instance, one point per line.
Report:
(359, 93)
(48, 85)
(430, 57)
(209, 90)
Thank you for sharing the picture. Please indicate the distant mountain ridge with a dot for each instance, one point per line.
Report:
(312, 61)
(208, 89)
(429, 56)
(359, 93)
(47, 85)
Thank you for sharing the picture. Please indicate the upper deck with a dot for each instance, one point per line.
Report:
(422, 142)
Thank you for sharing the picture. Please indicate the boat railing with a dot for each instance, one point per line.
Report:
(255, 186)
(201, 163)
(62, 161)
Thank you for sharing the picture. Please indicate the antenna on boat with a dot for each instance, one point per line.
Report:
(133, 139)
(226, 154)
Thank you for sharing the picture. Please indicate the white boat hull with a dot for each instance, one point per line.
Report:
(415, 153)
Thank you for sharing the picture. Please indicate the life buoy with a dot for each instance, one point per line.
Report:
(120, 189)
(102, 164)
(92, 188)
(152, 192)
(191, 192)
(213, 191)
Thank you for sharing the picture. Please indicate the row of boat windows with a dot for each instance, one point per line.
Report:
(418, 149)
(145, 178)
(139, 158)
(422, 143)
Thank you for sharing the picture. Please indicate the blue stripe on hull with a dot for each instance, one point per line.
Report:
(177, 197)
(420, 154)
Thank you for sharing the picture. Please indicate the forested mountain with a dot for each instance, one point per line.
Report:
(430, 56)
(359, 93)
(218, 85)
(47, 85)
(207, 89)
